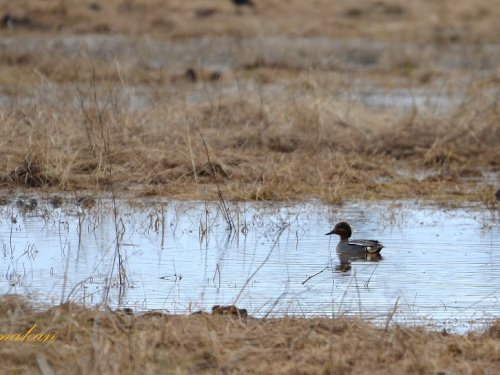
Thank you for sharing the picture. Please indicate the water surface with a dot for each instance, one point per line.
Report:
(439, 267)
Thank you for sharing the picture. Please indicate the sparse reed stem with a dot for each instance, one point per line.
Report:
(223, 206)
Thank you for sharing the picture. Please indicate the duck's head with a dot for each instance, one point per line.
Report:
(343, 229)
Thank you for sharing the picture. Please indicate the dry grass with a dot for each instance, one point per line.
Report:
(273, 150)
(441, 22)
(279, 106)
(92, 341)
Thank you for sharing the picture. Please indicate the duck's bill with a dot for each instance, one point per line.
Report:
(332, 232)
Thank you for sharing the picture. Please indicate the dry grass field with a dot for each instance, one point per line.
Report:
(72, 340)
(415, 20)
(336, 100)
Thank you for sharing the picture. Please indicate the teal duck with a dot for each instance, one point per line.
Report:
(346, 246)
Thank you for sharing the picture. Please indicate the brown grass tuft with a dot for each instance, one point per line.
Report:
(32, 172)
(90, 340)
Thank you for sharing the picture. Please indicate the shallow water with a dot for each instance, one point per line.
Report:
(440, 265)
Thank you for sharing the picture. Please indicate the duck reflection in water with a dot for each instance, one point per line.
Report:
(346, 260)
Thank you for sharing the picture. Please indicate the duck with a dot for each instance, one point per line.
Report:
(346, 246)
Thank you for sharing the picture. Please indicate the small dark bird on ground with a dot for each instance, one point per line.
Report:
(240, 3)
(191, 75)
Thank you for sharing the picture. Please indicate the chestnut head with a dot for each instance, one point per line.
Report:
(343, 229)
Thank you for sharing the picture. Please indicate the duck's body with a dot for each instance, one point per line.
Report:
(359, 246)
(355, 247)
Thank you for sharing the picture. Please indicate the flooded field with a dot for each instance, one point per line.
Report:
(439, 267)
(228, 65)
(220, 142)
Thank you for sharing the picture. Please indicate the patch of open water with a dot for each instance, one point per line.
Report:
(441, 266)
